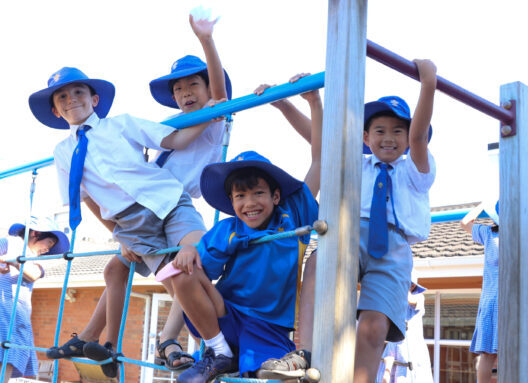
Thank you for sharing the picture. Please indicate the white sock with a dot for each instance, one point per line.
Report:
(219, 345)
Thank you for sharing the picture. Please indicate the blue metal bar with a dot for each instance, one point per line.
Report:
(119, 348)
(61, 308)
(27, 167)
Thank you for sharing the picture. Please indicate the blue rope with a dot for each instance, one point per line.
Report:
(20, 276)
(123, 319)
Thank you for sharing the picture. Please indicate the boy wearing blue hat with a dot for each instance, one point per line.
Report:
(395, 213)
(196, 89)
(246, 317)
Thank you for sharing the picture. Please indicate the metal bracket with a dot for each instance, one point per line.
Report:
(509, 130)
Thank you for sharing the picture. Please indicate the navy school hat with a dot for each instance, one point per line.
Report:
(40, 102)
(214, 175)
(44, 225)
(394, 104)
(186, 66)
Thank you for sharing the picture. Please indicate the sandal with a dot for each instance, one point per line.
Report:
(99, 352)
(72, 348)
(169, 360)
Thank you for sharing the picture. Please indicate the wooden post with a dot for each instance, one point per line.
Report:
(513, 242)
(337, 264)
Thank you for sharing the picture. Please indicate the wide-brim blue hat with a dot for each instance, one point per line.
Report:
(41, 102)
(44, 225)
(394, 104)
(214, 175)
(186, 66)
(492, 211)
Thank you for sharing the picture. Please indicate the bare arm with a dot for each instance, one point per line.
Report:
(389, 361)
(298, 120)
(419, 129)
(203, 29)
(469, 220)
(32, 271)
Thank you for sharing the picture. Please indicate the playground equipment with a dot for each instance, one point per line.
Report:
(336, 280)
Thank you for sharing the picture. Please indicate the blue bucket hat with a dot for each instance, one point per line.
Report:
(492, 211)
(186, 66)
(214, 175)
(394, 104)
(41, 102)
(44, 225)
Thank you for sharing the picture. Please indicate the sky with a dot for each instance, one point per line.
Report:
(478, 45)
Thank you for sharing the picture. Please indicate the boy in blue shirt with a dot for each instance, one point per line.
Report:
(401, 187)
(251, 310)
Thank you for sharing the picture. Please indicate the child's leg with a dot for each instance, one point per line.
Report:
(485, 365)
(306, 302)
(175, 322)
(97, 322)
(116, 277)
(8, 372)
(372, 330)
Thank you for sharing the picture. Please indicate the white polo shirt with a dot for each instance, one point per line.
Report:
(410, 190)
(116, 174)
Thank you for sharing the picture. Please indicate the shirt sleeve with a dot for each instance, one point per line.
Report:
(422, 182)
(3, 246)
(146, 133)
(303, 207)
(213, 248)
(480, 233)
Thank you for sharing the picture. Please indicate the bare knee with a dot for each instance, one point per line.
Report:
(115, 272)
(373, 328)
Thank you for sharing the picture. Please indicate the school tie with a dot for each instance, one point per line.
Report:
(76, 173)
(378, 241)
(163, 158)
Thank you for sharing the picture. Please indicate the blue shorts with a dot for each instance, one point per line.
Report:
(141, 230)
(385, 282)
(253, 339)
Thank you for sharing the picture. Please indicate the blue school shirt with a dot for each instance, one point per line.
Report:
(262, 281)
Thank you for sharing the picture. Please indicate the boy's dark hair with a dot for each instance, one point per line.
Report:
(203, 74)
(495, 228)
(384, 113)
(92, 93)
(40, 235)
(247, 178)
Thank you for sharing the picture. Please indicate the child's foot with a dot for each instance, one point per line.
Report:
(170, 354)
(70, 349)
(292, 365)
(95, 351)
(208, 368)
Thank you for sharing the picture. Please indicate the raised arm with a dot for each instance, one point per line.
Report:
(295, 117)
(419, 129)
(468, 221)
(203, 29)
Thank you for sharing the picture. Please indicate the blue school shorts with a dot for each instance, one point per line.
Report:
(253, 339)
(141, 230)
(385, 281)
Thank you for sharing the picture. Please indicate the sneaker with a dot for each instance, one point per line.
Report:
(72, 348)
(95, 351)
(207, 369)
(292, 365)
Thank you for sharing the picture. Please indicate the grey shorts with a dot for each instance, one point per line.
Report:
(139, 229)
(385, 282)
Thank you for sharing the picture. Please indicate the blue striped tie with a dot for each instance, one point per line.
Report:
(378, 240)
(163, 158)
(76, 173)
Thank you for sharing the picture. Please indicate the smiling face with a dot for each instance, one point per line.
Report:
(254, 206)
(387, 137)
(74, 102)
(41, 246)
(190, 93)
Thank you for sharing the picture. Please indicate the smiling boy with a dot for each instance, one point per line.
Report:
(246, 317)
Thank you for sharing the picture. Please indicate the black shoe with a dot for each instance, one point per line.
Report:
(95, 351)
(72, 348)
(208, 368)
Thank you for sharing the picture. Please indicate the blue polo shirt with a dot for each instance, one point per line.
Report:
(262, 281)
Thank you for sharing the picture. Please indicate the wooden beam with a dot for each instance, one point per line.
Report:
(513, 247)
(337, 264)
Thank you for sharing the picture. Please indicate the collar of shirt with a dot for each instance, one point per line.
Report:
(276, 222)
(374, 160)
(93, 121)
